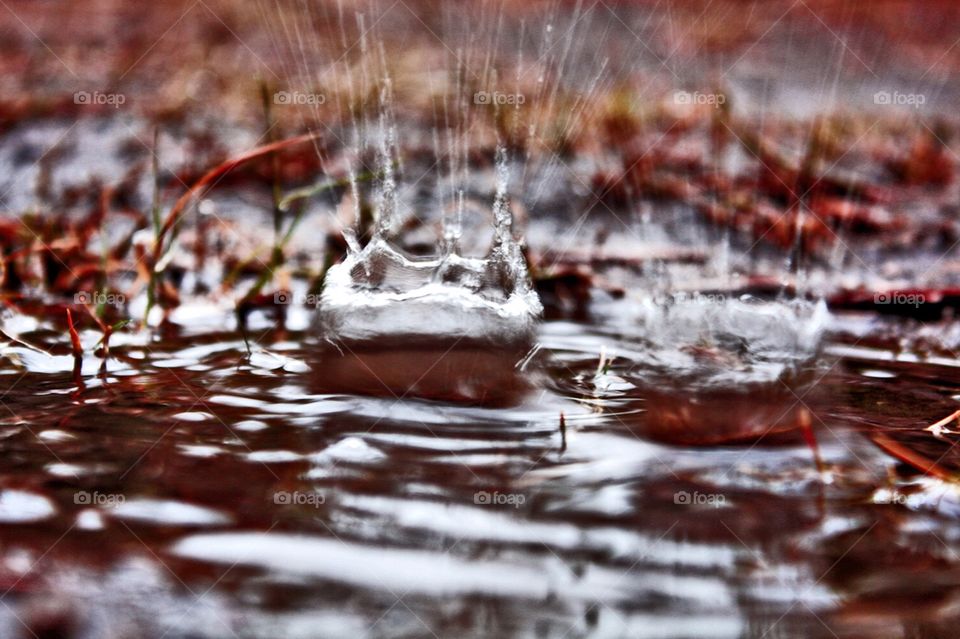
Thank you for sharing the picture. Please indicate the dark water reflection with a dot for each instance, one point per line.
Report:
(196, 491)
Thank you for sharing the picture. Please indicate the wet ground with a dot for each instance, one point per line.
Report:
(194, 491)
(719, 429)
(610, 483)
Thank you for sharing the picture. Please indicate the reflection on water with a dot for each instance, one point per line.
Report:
(196, 489)
(448, 370)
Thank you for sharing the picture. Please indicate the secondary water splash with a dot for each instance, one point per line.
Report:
(713, 369)
(728, 342)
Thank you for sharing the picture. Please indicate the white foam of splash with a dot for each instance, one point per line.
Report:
(378, 291)
(452, 296)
